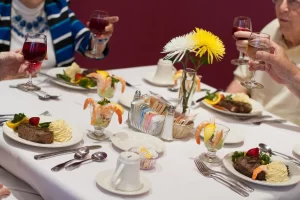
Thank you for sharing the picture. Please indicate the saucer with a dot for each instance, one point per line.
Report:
(149, 78)
(103, 179)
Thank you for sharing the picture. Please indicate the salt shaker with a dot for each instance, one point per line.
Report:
(136, 96)
(167, 132)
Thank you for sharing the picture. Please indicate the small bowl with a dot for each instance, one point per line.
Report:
(181, 131)
(146, 163)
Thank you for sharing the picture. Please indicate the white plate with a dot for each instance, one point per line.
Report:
(256, 109)
(77, 135)
(103, 179)
(233, 137)
(60, 70)
(126, 140)
(149, 78)
(293, 179)
(297, 149)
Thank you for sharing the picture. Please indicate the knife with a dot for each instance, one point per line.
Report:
(201, 99)
(59, 80)
(47, 155)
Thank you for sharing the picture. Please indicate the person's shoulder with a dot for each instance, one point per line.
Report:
(271, 27)
(58, 2)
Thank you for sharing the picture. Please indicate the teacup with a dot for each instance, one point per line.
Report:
(164, 71)
(127, 173)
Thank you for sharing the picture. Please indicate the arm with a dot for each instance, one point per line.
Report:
(10, 64)
(236, 87)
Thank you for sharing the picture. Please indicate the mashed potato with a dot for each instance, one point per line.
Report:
(241, 97)
(276, 172)
(72, 70)
(61, 130)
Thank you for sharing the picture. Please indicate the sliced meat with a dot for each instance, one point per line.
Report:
(235, 106)
(35, 134)
(246, 165)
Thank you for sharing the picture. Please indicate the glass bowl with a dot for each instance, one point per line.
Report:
(148, 157)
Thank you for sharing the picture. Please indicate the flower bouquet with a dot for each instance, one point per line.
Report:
(198, 47)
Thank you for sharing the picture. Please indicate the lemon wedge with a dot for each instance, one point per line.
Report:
(209, 130)
(103, 73)
(216, 100)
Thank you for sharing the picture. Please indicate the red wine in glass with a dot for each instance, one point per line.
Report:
(97, 25)
(236, 29)
(98, 22)
(34, 51)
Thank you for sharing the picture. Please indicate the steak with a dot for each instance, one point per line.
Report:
(235, 106)
(35, 134)
(246, 165)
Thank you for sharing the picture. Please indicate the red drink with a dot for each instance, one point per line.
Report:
(97, 25)
(34, 52)
(235, 29)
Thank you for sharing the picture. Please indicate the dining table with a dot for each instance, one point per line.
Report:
(175, 176)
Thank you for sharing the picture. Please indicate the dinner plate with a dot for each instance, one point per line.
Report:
(103, 179)
(296, 149)
(129, 139)
(77, 135)
(257, 109)
(293, 179)
(149, 78)
(60, 70)
(234, 136)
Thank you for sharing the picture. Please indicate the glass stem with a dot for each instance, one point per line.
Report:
(211, 154)
(95, 46)
(241, 55)
(30, 67)
(253, 77)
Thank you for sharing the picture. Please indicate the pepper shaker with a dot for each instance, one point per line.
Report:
(136, 96)
(167, 133)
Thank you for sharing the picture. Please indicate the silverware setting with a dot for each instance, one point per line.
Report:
(96, 157)
(267, 149)
(269, 121)
(233, 185)
(44, 96)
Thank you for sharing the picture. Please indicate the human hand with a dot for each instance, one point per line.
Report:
(4, 191)
(109, 29)
(277, 64)
(242, 44)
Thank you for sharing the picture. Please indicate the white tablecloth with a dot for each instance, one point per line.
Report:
(175, 176)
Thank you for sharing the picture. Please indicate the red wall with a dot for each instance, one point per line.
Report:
(146, 26)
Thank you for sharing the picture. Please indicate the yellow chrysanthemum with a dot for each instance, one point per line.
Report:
(205, 41)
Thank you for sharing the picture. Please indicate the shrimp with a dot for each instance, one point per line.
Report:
(114, 108)
(100, 78)
(122, 81)
(89, 101)
(219, 136)
(178, 72)
(198, 83)
(106, 83)
(4, 191)
(257, 170)
(199, 129)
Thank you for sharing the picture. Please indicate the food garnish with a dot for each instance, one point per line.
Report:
(44, 124)
(276, 172)
(209, 129)
(18, 117)
(17, 120)
(34, 121)
(253, 152)
(62, 132)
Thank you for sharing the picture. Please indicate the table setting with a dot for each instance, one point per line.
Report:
(146, 132)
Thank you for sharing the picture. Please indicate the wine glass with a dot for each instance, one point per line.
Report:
(34, 52)
(214, 141)
(97, 25)
(256, 42)
(102, 120)
(241, 23)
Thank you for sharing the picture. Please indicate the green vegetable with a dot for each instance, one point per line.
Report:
(236, 155)
(18, 117)
(228, 97)
(87, 83)
(265, 158)
(44, 124)
(64, 76)
(113, 81)
(104, 102)
(210, 96)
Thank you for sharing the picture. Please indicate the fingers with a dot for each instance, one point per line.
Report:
(112, 19)
(109, 28)
(22, 68)
(265, 56)
(46, 57)
(241, 43)
(19, 51)
(242, 34)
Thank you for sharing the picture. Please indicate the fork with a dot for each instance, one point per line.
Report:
(269, 121)
(236, 182)
(245, 119)
(46, 113)
(220, 179)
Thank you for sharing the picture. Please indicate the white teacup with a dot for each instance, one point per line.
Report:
(164, 71)
(127, 174)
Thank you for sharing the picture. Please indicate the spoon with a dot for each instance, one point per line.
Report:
(42, 97)
(268, 149)
(173, 89)
(79, 155)
(96, 157)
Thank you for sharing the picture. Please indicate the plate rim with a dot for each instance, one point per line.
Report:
(296, 145)
(34, 144)
(161, 150)
(105, 173)
(227, 162)
(66, 85)
(236, 114)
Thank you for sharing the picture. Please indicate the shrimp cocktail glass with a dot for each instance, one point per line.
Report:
(214, 136)
(106, 83)
(101, 114)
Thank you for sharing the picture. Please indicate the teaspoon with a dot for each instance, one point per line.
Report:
(268, 149)
(96, 157)
(79, 155)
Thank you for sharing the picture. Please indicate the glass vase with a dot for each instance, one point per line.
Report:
(187, 90)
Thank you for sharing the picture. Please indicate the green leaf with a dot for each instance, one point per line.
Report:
(18, 117)
(64, 77)
(45, 124)
(113, 81)
(104, 102)
(204, 60)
